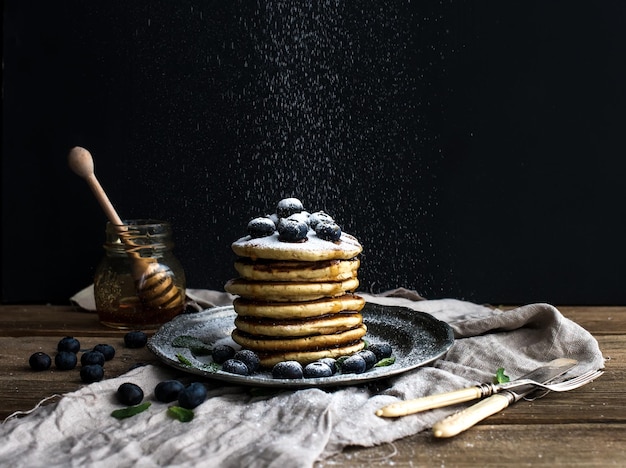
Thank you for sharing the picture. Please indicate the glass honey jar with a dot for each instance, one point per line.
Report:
(139, 284)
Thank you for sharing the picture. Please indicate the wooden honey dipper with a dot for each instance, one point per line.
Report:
(154, 282)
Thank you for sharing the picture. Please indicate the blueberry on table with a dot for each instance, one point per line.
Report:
(129, 394)
(328, 231)
(261, 227)
(249, 358)
(381, 350)
(369, 357)
(168, 390)
(292, 230)
(91, 373)
(192, 395)
(65, 360)
(92, 357)
(235, 366)
(135, 339)
(40, 361)
(288, 206)
(317, 369)
(288, 370)
(106, 349)
(221, 353)
(355, 364)
(69, 343)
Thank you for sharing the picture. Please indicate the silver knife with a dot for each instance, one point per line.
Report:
(542, 374)
(458, 422)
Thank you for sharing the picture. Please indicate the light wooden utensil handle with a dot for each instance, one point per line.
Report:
(402, 408)
(459, 422)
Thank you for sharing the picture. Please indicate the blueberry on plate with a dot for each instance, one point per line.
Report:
(91, 373)
(292, 230)
(287, 370)
(92, 357)
(330, 362)
(129, 394)
(106, 349)
(328, 231)
(355, 364)
(319, 216)
(249, 358)
(288, 206)
(317, 369)
(69, 343)
(65, 360)
(168, 390)
(192, 395)
(261, 227)
(235, 366)
(40, 361)
(381, 350)
(221, 353)
(135, 339)
(369, 357)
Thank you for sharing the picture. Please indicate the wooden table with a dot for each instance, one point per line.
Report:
(584, 427)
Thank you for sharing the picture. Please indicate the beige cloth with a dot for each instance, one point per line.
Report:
(237, 427)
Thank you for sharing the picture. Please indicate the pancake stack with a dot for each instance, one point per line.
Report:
(295, 292)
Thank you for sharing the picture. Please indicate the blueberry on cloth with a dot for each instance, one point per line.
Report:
(222, 352)
(381, 350)
(288, 370)
(129, 394)
(355, 364)
(292, 230)
(192, 395)
(135, 339)
(249, 358)
(235, 366)
(317, 369)
(65, 360)
(92, 357)
(106, 349)
(91, 373)
(261, 227)
(40, 361)
(369, 357)
(69, 343)
(328, 231)
(288, 206)
(168, 390)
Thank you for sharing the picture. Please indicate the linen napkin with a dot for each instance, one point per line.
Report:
(238, 427)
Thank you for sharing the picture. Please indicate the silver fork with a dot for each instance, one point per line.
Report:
(564, 386)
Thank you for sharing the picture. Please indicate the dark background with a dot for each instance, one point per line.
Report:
(474, 148)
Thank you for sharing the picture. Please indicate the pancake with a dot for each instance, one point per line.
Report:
(289, 291)
(286, 310)
(278, 270)
(307, 343)
(268, 360)
(314, 249)
(325, 325)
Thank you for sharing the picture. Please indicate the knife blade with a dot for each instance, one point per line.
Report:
(459, 422)
(549, 371)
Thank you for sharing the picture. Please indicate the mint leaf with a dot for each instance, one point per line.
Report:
(184, 360)
(500, 376)
(195, 345)
(385, 362)
(123, 413)
(180, 413)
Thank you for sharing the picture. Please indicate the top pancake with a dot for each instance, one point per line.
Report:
(312, 250)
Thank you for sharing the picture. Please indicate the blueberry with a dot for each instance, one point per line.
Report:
(330, 362)
(107, 350)
(355, 364)
(381, 350)
(135, 339)
(40, 361)
(69, 343)
(193, 395)
(249, 358)
(261, 227)
(129, 394)
(319, 216)
(168, 390)
(222, 352)
(292, 230)
(288, 370)
(65, 360)
(328, 231)
(303, 217)
(235, 366)
(317, 369)
(369, 357)
(288, 206)
(91, 373)
(92, 357)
